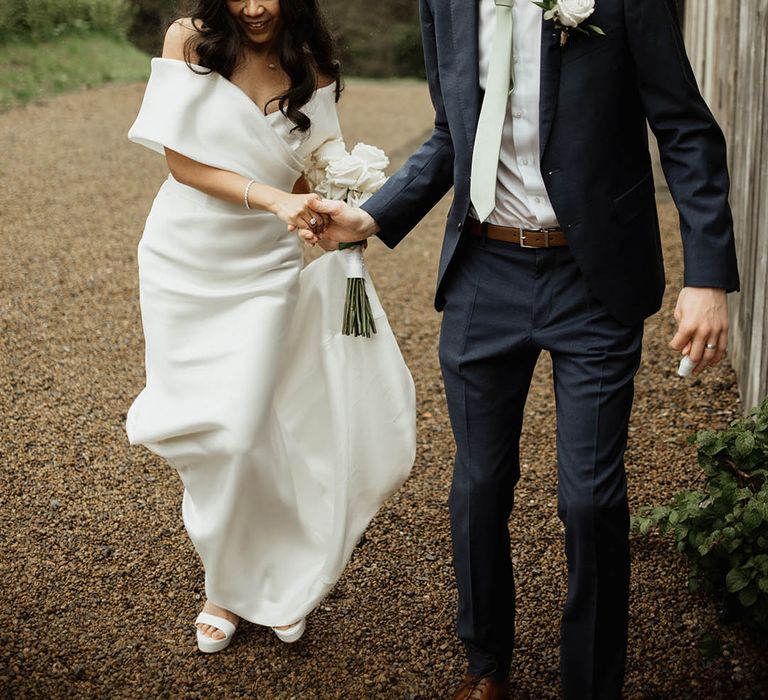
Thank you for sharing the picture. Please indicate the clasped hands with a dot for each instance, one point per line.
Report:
(340, 223)
(701, 312)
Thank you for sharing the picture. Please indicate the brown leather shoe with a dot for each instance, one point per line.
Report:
(481, 688)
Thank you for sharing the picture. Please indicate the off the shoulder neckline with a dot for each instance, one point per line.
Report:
(214, 74)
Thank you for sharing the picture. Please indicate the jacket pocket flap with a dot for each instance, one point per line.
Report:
(636, 199)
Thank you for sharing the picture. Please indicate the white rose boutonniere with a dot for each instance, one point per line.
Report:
(569, 15)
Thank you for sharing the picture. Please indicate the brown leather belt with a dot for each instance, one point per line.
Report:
(526, 238)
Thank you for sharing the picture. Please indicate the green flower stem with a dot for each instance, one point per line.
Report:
(358, 316)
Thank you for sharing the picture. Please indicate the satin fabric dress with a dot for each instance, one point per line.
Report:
(287, 435)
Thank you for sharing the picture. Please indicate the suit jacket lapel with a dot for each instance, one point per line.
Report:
(551, 57)
(464, 19)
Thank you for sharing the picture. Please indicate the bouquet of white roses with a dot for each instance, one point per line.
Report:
(353, 177)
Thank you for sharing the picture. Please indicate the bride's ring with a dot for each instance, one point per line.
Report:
(313, 221)
(709, 346)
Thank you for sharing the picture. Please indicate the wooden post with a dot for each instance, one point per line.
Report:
(728, 44)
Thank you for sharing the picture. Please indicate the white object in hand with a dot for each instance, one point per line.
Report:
(687, 365)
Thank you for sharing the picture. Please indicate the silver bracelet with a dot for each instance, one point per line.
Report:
(247, 192)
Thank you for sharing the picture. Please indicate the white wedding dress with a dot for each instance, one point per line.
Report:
(287, 435)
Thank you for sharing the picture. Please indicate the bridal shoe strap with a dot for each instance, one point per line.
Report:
(220, 623)
(289, 628)
(526, 238)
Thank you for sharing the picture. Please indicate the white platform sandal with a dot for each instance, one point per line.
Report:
(207, 644)
(293, 633)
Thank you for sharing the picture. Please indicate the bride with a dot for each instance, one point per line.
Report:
(286, 434)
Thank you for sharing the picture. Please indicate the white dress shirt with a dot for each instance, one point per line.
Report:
(521, 197)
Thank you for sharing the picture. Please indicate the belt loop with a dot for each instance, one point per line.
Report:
(484, 232)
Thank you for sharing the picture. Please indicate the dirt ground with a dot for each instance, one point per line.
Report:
(99, 581)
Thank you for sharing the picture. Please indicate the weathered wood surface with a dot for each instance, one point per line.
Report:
(727, 41)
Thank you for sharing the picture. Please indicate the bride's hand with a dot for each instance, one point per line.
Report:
(295, 211)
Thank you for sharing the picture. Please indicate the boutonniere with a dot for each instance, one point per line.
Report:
(568, 15)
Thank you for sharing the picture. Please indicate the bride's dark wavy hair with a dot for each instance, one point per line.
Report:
(307, 49)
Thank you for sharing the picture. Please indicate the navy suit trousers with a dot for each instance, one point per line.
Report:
(504, 305)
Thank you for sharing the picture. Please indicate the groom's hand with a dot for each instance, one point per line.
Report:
(347, 224)
(702, 326)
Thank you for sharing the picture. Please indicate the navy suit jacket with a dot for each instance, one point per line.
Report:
(596, 95)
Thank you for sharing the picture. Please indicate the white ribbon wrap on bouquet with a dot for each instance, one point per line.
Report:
(354, 262)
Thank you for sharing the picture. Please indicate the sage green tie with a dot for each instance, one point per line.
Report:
(499, 85)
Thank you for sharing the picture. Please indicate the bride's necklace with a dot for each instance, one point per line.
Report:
(272, 65)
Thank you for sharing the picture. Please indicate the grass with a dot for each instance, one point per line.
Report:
(36, 70)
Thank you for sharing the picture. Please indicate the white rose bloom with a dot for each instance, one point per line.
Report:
(330, 151)
(346, 171)
(336, 191)
(323, 189)
(573, 12)
(355, 198)
(315, 175)
(371, 182)
(375, 157)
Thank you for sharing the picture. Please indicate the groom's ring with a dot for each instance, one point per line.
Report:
(710, 346)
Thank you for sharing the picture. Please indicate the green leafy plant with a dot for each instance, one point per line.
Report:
(723, 529)
(47, 19)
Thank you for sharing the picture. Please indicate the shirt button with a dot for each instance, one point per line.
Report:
(518, 115)
(524, 161)
(515, 59)
(537, 200)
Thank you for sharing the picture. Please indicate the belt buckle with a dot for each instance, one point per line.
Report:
(523, 244)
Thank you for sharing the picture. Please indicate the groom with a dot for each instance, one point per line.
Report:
(552, 243)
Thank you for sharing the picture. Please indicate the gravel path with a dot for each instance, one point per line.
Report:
(99, 581)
